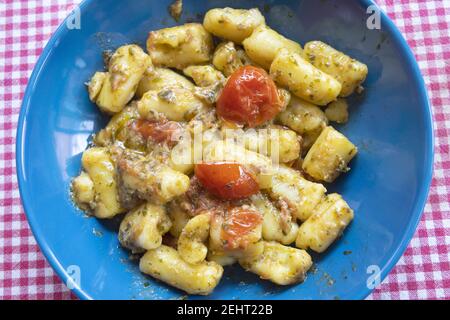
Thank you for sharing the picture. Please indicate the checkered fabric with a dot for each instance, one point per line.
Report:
(422, 273)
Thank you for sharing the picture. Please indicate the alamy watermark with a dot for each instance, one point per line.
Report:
(374, 278)
(74, 277)
(374, 20)
(73, 21)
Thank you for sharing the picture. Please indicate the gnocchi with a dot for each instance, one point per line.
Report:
(228, 58)
(278, 225)
(177, 104)
(112, 90)
(280, 264)
(204, 76)
(83, 191)
(306, 119)
(329, 156)
(165, 263)
(289, 69)
(99, 166)
(142, 229)
(217, 147)
(179, 47)
(115, 129)
(337, 111)
(349, 72)
(303, 117)
(300, 195)
(264, 44)
(147, 179)
(233, 24)
(280, 144)
(162, 78)
(221, 258)
(247, 245)
(328, 221)
(178, 217)
(191, 244)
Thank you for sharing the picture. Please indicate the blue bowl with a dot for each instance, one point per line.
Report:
(387, 186)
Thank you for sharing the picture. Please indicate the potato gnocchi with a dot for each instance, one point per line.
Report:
(218, 150)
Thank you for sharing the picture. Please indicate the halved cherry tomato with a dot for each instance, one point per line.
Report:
(159, 132)
(239, 223)
(249, 97)
(226, 180)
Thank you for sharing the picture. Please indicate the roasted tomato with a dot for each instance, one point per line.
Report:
(226, 180)
(238, 224)
(159, 132)
(249, 97)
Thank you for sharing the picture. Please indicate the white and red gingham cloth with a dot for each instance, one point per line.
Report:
(422, 273)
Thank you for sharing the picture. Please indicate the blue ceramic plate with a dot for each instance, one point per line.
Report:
(387, 186)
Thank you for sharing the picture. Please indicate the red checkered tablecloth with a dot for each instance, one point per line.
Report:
(422, 273)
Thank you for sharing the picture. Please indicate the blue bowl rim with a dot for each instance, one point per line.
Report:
(409, 233)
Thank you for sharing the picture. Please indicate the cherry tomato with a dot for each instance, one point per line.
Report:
(249, 97)
(226, 180)
(239, 223)
(158, 132)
